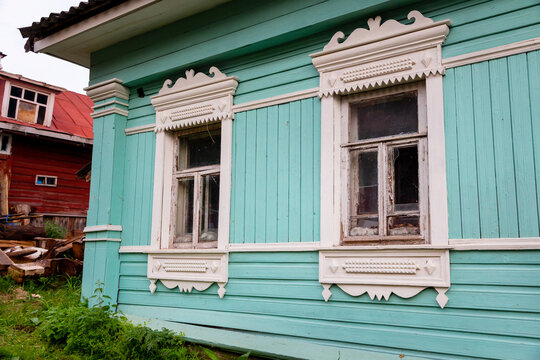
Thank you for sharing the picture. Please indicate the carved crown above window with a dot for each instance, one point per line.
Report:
(385, 54)
(194, 100)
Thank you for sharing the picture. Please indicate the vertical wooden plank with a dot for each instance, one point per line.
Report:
(129, 191)
(452, 169)
(295, 141)
(239, 178)
(106, 166)
(139, 189)
(487, 189)
(260, 175)
(283, 173)
(466, 153)
(96, 170)
(533, 62)
(502, 140)
(306, 170)
(316, 169)
(523, 145)
(232, 219)
(148, 182)
(251, 196)
(272, 174)
(88, 269)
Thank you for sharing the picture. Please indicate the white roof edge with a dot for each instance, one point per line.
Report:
(30, 81)
(45, 133)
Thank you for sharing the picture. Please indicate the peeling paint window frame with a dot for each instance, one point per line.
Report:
(5, 139)
(18, 99)
(197, 174)
(383, 146)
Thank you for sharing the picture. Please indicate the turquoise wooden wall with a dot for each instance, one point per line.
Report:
(493, 311)
(276, 174)
(492, 118)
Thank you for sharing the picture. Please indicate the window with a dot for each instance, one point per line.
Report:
(384, 152)
(46, 180)
(27, 105)
(5, 144)
(196, 182)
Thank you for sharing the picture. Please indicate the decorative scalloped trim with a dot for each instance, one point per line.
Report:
(383, 292)
(172, 126)
(377, 31)
(192, 79)
(376, 83)
(187, 286)
(369, 71)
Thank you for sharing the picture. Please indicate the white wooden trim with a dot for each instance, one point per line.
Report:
(96, 228)
(107, 89)
(140, 129)
(46, 177)
(103, 239)
(42, 132)
(112, 102)
(225, 175)
(532, 243)
(275, 247)
(134, 249)
(5, 100)
(109, 111)
(492, 53)
(276, 100)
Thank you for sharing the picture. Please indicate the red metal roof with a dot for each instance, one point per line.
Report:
(71, 115)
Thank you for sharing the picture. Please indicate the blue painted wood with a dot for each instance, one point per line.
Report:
(452, 167)
(470, 222)
(487, 187)
(502, 313)
(238, 179)
(283, 173)
(523, 145)
(278, 204)
(533, 61)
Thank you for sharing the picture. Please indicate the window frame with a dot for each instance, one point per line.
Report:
(197, 173)
(48, 106)
(385, 173)
(45, 183)
(7, 151)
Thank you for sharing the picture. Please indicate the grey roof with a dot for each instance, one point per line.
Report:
(58, 21)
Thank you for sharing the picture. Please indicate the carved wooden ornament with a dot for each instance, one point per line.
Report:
(194, 100)
(385, 54)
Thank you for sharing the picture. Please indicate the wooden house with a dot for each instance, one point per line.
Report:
(45, 138)
(316, 179)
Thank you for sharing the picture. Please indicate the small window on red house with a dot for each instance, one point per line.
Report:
(46, 180)
(5, 144)
(27, 105)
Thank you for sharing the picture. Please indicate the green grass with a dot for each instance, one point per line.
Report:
(44, 319)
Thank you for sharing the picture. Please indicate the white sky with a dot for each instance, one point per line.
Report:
(21, 13)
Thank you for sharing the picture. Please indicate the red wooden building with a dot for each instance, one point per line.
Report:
(45, 138)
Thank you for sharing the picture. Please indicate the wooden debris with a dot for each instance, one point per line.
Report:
(20, 232)
(4, 244)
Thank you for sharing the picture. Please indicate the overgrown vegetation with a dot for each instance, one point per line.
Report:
(44, 319)
(55, 231)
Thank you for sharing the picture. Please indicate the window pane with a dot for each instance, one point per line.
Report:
(403, 225)
(405, 178)
(42, 99)
(16, 91)
(12, 109)
(200, 149)
(51, 181)
(364, 193)
(209, 208)
(40, 180)
(384, 116)
(5, 143)
(41, 115)
(184, 213)
(27, 112)
(29, 95)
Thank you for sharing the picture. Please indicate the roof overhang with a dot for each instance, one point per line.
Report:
(126, 20)
(30, 81)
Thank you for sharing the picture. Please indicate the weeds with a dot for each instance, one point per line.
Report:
(53, 230)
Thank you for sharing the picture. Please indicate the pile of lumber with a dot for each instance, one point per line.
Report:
(26, 252)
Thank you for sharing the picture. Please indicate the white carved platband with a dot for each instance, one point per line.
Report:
(383, 272)
(194, 100)
(188, 270)
(386, 54)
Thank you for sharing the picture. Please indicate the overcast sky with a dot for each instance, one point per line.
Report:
(21, 13)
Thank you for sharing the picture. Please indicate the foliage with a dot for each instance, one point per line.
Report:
(100, 333)
(213, 356)
(53, 230)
